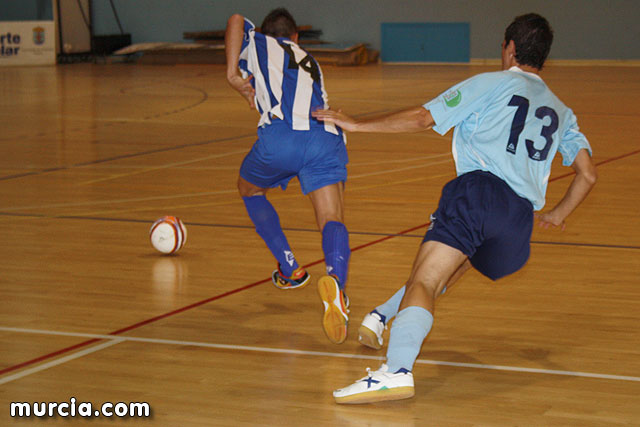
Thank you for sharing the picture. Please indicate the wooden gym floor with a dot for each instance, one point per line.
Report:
(91, 155)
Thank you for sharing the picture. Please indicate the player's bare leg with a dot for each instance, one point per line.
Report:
(435, 265)
(328, 205)
(247, 189)
(375, 322)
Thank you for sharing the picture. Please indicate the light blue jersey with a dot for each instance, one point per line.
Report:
(510, 124)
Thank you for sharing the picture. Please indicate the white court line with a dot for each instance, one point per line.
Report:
(60, 361)
(306, 353)
(532, 370)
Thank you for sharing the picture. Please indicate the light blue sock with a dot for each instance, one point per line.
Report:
(411, 327)
(389, 309)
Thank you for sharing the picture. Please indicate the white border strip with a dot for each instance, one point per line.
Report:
(60, 361)
(531, 370)
(113, 339)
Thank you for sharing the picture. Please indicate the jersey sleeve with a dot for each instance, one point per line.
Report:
(249, 32)
(461, 100)
(572, 141)
(249, 28)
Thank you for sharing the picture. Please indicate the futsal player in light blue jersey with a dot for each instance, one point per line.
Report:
(284, 83)
(508, 126)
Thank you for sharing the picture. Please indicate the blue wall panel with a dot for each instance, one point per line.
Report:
(605, 29)
(425, 42)
(26, 10)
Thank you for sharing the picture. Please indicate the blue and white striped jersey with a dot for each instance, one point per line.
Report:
(288, 81)
(510, 124)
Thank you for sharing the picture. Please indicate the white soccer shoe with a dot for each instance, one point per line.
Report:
(370, 331)
(377, 386)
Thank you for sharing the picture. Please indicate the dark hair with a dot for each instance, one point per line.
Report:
(532, 36)
(279, 23)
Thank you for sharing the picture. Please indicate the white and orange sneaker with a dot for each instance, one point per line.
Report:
(336, 309)
(378, 386)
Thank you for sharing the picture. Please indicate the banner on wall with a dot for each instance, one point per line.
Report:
(27, 43)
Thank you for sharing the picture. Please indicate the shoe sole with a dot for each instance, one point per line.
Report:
(334, 320)
(289, 287)
(397, 393)
(368, 338)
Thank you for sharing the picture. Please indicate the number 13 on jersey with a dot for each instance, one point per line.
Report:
(517, 126)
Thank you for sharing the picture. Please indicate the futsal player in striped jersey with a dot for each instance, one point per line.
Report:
(508, 126)
(284, 83)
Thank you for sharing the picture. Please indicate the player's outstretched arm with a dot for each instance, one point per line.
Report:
(583, 182)
(233, 45)
(410, 120)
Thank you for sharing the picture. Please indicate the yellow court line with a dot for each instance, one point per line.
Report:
(413, 159)
(405, 181)
(272, 198)
(186, 162)
(209, 193)
(284, 196)
(366, 175)
(166, 166)
(116, 201)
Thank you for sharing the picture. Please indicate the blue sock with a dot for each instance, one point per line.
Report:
(267, 223)
(335, 245)
(389, 309)
(411, 327)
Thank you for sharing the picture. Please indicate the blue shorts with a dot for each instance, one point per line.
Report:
(480, 215)
(318, 158)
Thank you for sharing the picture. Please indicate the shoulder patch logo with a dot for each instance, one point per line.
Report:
(452, 98)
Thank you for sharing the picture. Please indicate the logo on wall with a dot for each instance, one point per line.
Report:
(38, 35)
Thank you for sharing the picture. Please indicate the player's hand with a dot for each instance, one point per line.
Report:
(337, 117)
(549, 219)
(243, 86)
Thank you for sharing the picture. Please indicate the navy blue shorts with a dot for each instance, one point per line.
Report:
(318, 158)
(480, 215)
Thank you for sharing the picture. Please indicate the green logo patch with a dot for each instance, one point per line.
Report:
(452, 98)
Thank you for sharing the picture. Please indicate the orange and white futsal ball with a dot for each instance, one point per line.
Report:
(168, 234)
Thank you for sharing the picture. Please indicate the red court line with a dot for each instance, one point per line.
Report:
(183, 309)
(251, 285)
(602, 162)
(612, 159)
(128, 328)
(187, 307)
